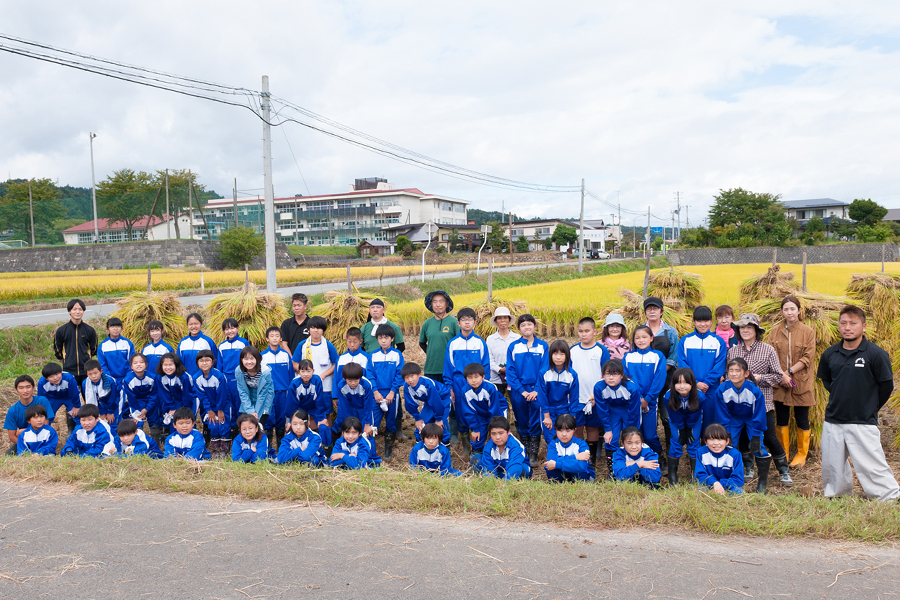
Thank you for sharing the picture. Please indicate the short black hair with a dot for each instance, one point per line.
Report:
(588, 321)
(565, 422)
(498, 422)
(51, 369)
(300, 414)
(385, 330)
(352, 423)
(194, 315)
(33, 410)
(703, 313)
(89, 410)
(630, 431)
(229, 322)
(410, 368)
(92, 364)
(318, 323)
(299, 296)
(715, 431)
(156, 325)
(355, 332)
(183, 413)
(179, 366)
(466, 312)
(352, 371)
(126, 427)
(23, 378)
(205, 354)
(526, 318)
(305, 365)
(613, 366)
(113, 322)
(71, 304)
(473, 369)
(271, 329)
(432, 430)
(850, 309)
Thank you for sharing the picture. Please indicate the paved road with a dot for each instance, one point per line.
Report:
(60, 543)
(40, 317)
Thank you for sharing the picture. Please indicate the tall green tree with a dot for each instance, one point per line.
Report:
(126, 197)
(522, 244)
(497, 239)
(742, 218)
(15, 210)
(564, 235)
(866, 212)
(178, 193)
(240, 245)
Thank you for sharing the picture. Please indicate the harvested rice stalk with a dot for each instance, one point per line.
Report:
(632, 310)
(254, 311)
(679, 285)
(343, 311)
(138, 309)
(772, 284)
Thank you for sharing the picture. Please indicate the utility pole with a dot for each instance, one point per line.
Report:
(678, 202)
(620, 221)
(687, 214)
(356, 221)
(235, 203)
(271, 284)
(31, 211)
(512, 248)
(190, 207)
(91, 137)
(647, 249)
(168, 214)
(581, 232)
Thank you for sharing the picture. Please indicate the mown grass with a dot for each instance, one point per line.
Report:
(322, 250)
(584, 505)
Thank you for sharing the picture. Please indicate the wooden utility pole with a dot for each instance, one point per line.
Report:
(774, 256)
(647, 251)
(149, 287)
(491, 279)
(349, 282)
(235, 203)
(190, 207)
(804, 271)
(512, 248)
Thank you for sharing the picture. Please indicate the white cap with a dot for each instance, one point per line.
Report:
(500, 311)
(613, 318)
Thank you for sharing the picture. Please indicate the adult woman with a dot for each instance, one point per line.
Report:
(763, 363)
(795, 345)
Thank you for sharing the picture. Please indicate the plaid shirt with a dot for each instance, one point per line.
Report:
(764, 366)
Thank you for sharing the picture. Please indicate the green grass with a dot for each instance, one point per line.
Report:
(322, 250)
(588, 505)
(26, 350)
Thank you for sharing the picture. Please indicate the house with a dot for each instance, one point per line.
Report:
(160, 229)
(418, 233)
(596, 233)
(893, 214)
(804, 210)
(375, 248)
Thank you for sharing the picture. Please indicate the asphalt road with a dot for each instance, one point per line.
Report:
(56, 542)
(40, 317)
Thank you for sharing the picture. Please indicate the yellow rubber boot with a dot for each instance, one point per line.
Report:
(784, 437)
(802, 448)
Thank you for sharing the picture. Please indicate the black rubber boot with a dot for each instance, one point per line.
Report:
(389, 438)
(466, 442)
(535, 448)
(762, 465)
(592, 448)
(693, 462)
(784, 475)
(749, 473)
(609, 465)
(673, 470)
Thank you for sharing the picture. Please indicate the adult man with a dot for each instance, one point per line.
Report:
(295, 330)
(436, 333)
(858, 377)
(75, 342)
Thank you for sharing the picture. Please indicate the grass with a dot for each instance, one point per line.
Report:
(584, 505)
(322, 250)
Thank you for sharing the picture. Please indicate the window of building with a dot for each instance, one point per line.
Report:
(445, 237)
(459, 208)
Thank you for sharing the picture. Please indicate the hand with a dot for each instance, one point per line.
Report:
(221, 416)
(323, 423)
(74, 412)
(647, 464)
(420, 424)
(702, 387)
(607, 437)
(755, 444)
(253, 413)
(547, 422)
(378, 396)
(586, 455)
(210, 416)
(550, 465)
(532, 396)
(389, 398)
(685, 436)
(645, 407)
(452, 395)
(785, 380)
(476, 436)
(337, 455)
(502, 371)
(717, 488)
(367, 430)
(143, 414)
(253, 447)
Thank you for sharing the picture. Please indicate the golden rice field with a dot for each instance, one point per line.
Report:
(55, 284)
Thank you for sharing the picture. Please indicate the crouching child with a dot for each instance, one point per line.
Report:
(635, 460)
(430, 454)
(301, 444)
(568, 457)
(351, 450)
(38, 437)
(504, 456)
(131, 441)
(250, 445)
(186, 442)
(719, 466)
(91, 437)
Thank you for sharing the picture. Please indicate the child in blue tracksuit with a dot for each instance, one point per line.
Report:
(186, 442)
(114, 353)
(102, 390)
(212, 394)
(719, 466)
(568, 457)
(434, 397)
(635, 460)
(354, 399)
(351, 450)
(704, 353)
(279, 361)
(140, 397)
(60, 389)
(250, 444)
(157, 346)
(306, 394)
(684, 402)
(526, 359)
(193, 343)
(230, 358)
(384, 373)
(430, 454)
(647, 368)
(481, 402)
(741, 409)
(504, 456)
(558, 389)
(617, 401)
(131, 441)
(91, 438)
(175, 388)
(464, 349)
(38, 437)
(354, 353)
(301, 444)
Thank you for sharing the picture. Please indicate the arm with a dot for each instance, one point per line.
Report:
(424, 347)
(486, 359)
(262, 449)
(517, 463)
(237, 453)
(885, 378)
(153, 450)
(198, 449)
(704, 477)
(369, 407)
(101, 357)
(574, 393)
(512, 375)
(773, 374)
(100, 442)
(412, 407)
(398, 379)
(542, 398)
(69, 446)
(488, 464)
(758, 425)
(324, 404)
(92, 343)
(59, 343)
(601, 406)
(169, 449)
(723, 415)
(807, 353)
(622, 471)
(656, 385)
(569, 464)
(718, 370)
(265, 394)
(448, 366)
(312, 448)
(735, 483)
(651, 475)
(824, 373)
(672, 358)
(446, 462)
(885, 388)
(401, 347)
(73, 400)
(681, 356)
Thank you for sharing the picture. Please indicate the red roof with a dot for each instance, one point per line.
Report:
(104, 225)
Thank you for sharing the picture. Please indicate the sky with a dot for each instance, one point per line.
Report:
(641, 100)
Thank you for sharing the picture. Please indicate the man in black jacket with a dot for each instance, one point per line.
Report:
(75, 343)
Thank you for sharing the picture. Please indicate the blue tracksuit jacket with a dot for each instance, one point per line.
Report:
(212, 393)
(309, 397)
(435, 399)
(558, 393)
(40, 441)
(188, 348)
(705, 355)
(153, 352)
(249, 451)
(306, 449)
(360, 357)
(684, 419)
(524, 365)
(739, 409)
(618, 408)
(356, 402)
(727, 468)
(88, 443)
(437, 460)
(384, 371)
(63, 393)
(191, 445)
(509, 463)
(356, 455)
(462, 351)
(282, 368)
(478, 406)
(113, 355)
(140, 394)
(647, 368)
(104, 394)
(141, 444)
(175, 392)
(569, 468)
(230, 353)
(626, 469)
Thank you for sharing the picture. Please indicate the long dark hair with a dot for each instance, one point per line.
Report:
(254, 353)
(693, 396)
(641, 328)
(742, 364)
(561, 347)
(179, 366)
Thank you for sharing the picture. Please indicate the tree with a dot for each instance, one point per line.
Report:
(815, 225)
(866, 212)
(240, 245)
(881, 232)
(739, 218)
(439, 249)
(403, 243)
(126, 197)
(484, 217)
(15, 210)
(564, 235)
(497, 241)
(455, 241)
(522, 244)
(548, 244)
(178, 193)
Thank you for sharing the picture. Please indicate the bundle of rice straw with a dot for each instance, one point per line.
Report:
(772, 284)
(254, 311)
(137, 310)
(678, 285)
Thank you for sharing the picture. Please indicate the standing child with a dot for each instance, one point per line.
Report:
(684, 402)
(384, 373)
(430, 454)
(741, 409)
(588, 358)
(705, 354)
(39, 437)
(504, 456)
(355, 399)
(114, 353)
(157, 346)
(230, 359)
(301, 444)
(647, 368)
(615, 336)
(90, 437)
(481, 402)
(635, 460)
(278, 360)
(433, 396)
(250, 445)
(193, 343)
(464, 349)
(719, 466)
(215, 406)
(60, 389)
(176, 388)
(186, 441)
(254, 383)
(557, 389)
(140, 398)
(131, 441)
(568, 458)
(725, 328)
(354, 353)
(526, 359)
(102, 390)
(617, 401)
(351, 450)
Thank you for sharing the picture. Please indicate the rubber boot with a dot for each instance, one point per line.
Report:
(454, 430)
(466, 445)
(609, 465)
(784, 475)
(762, 466)
(592, 448)
(533, 455)
(802, 449)
(400, 435)
(673, 470)
(389, 438)
(693, 463)
(748, 466)
(784, 438)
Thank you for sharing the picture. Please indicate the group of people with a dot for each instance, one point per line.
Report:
(722, 396)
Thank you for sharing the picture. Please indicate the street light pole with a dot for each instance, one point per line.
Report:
(91, 136)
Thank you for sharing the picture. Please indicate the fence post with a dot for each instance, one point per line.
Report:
(491, 279)
(349, 281)
(246, 278)
(774, 256)
(804, 271)
(883, 247)
(149, 287)
(202, 285)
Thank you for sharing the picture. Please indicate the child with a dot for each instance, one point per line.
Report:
(725, 328)
(103, 391)
(741, 409)
(157, 346)
(301, 444)
(39, 437)
(464, 349)
(354, 353)
(131, 441)
(704, 353)
(568, 458)
(176, 388)
(719, 466)
(250, 445)
(618, 404)
(114, 353)
(278, 360)
(305, 394)
(557, 389)
(14, 423)
(186, 441)
(430, 454)
(588, 358)
(355, 399)
(193, 343)
(481, 402)
(320, 351)
(254, 384)
(526, 359)
(60, 389)
(384, 373)
(90, 438)
(215, 405)
(230, 353)
(435, 399)
(647, 368)
(504, 456)
(684, 402)
(351, 450)
(615, 336)
(635, 460)
(140, 398)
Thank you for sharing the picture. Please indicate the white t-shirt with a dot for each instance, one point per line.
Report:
(588, 365)
(497, 347)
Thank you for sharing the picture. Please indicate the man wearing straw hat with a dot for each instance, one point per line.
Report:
(498, 343)
(436, 333)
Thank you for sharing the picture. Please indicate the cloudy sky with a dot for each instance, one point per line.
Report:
(642, 100)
